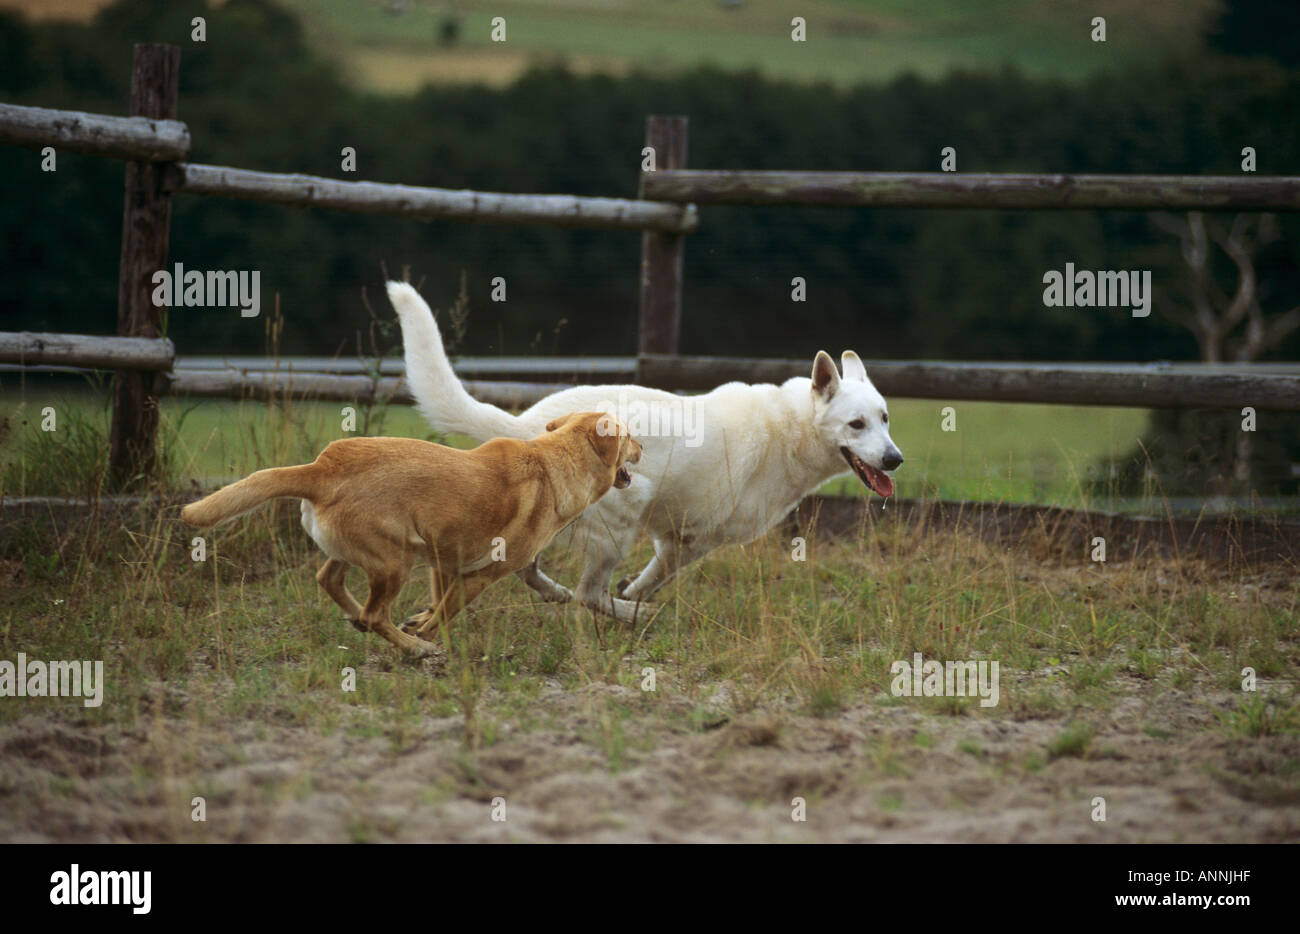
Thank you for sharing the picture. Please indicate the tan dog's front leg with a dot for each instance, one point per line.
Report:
(457, 593)
(384, 588)
(421, 622)
(333, 580)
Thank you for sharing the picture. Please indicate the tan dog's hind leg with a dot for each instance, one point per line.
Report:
(332, 578)
(384, 588)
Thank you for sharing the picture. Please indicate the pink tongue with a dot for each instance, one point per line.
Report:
(880, 481)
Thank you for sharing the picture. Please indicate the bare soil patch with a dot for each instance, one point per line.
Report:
(875, 772)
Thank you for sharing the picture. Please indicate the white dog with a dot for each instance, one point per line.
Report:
(729, 466)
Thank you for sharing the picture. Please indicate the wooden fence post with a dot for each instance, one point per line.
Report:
(661, 253)
(146, 223)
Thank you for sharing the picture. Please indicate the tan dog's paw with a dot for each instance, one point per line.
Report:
(413, 625)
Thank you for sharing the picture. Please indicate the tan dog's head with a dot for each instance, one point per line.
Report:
(609, 438)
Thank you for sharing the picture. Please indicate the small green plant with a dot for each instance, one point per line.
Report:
(1257, 715)
(1089, 675)
(825, 694)
(1073, 741)
(890, 800)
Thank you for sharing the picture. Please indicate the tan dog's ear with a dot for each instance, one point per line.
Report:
(604, 435)
(558, 422)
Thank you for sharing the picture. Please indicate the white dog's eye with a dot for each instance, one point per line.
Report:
(884, 418)
(858, 424)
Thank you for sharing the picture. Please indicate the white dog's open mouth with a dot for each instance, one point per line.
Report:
(875, 479)
(622, 479)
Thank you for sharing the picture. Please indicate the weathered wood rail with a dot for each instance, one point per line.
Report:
(522, 381)
(1135, 385)
(122, 137)
(34, 348)
(432, 203)
(278, 384)
(978, 191)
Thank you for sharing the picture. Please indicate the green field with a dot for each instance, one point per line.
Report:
(1012, 452)
(395, 47)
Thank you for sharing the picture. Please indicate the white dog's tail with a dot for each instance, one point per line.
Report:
(439, 395)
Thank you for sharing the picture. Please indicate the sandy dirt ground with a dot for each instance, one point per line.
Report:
(877, 771)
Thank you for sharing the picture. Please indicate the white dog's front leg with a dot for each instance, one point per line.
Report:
(653, 576)
(545, 587)
(604, 552)
(671, 555)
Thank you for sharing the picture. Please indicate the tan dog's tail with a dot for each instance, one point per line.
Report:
(249, 493)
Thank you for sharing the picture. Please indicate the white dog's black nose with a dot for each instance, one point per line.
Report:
(893, 460)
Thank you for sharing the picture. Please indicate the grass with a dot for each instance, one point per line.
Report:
(388, 48)
(1074, 740)
(249, 624)
(848, 41)
(1258, 715)
(998, 452)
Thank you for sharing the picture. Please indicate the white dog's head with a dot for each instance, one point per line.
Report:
(851, 416)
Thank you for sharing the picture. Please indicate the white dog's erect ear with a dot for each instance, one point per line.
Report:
(852, 367)
(825, 378)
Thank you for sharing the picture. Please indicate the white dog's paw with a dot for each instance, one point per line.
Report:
(635, 611)
(556, 593)
(625, 611)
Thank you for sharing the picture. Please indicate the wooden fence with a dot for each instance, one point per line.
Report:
(155, 146)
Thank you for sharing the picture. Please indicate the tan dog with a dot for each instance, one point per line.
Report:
(387, 504)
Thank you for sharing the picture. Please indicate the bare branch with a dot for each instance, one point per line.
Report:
(1278, 328)
(1212, 314)
(1238, 246)
(1174, 224)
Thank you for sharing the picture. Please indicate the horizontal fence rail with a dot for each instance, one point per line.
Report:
(516, 381)
(432, 203)
(529, 369)
(982, 191)
(156, 140)
(264, 385)
(1133, 385)
(33, 348)
(136, 138)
